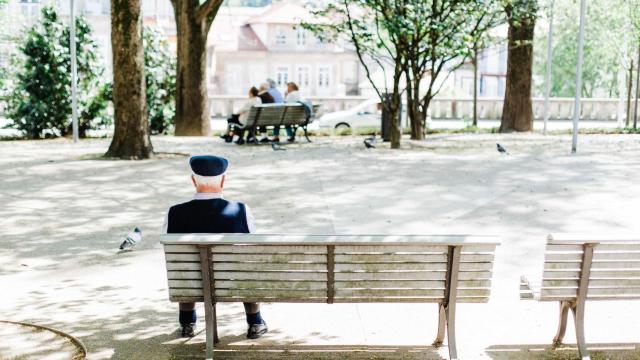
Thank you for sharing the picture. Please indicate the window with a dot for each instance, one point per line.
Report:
(282, 76)
(304, 75)
(323, 77)
(232, 74)
(30, 9)
(281, 36)
(301, 36)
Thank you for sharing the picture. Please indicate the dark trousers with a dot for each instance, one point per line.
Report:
(188, 311)
(288, 128)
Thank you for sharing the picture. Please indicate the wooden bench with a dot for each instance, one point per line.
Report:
(270, 115)
(578, 268)
(445, 270)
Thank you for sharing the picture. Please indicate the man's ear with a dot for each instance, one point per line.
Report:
(193, 180)
(222, 182)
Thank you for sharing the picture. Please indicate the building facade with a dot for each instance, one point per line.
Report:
(248, 48)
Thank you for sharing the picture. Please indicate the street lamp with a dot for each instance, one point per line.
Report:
(547, 89)
(74, 74)
(576, 104)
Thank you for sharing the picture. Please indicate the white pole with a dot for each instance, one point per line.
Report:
(576, 105)
(547, 89)
(74, 74)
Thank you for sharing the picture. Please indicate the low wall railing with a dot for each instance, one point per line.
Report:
(444, 108)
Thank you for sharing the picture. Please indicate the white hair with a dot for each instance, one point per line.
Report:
(208, 180)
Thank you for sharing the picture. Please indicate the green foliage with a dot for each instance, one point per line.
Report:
(40, 102)
(160, 77)
(420, 38)
(608, 43)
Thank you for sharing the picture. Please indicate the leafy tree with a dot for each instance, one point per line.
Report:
(370, 27)
(40, 101)
(608, 43)
(517, 110)
(160, 78)
(442, 35)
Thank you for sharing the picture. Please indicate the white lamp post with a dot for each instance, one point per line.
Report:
(576, 105)
(74, 74)
(547, 89)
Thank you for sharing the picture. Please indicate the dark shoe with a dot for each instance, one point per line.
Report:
(257, 330)
(291, 139)
(264, 140)
(240, 141)
(275, 139)
(188, 330)
(252, 141)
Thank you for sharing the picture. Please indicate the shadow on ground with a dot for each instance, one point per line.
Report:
(627, 351)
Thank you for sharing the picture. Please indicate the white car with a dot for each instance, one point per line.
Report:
(365, 114)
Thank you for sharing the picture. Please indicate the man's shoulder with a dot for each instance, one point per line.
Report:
(194, 201)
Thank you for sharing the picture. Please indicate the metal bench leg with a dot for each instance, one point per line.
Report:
(210, 329)
(209, 309)
(216, 339)
(562, 325)
(306, 134)
(442, 325)
(578, 315)
(451, 330)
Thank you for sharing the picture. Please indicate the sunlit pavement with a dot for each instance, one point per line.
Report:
(64, 211)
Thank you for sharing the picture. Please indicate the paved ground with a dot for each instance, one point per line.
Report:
(64, 210)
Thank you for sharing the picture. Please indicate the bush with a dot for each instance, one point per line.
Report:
(40, 100)
(160, 77)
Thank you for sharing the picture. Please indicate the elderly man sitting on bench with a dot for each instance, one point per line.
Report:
(209, 213)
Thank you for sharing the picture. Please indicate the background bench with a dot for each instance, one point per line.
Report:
(330, 269)
(269, 115)
(579, 268)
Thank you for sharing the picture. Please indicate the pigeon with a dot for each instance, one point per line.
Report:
(501, 149)
(132, 239)
(368, 144)
(277, 147)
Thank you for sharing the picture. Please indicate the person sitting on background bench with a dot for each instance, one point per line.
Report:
(236, 122)
(263, 93)
(274, 92)
(292, 96)
(209, 213)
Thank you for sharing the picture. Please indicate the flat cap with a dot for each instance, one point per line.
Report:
(208, 165)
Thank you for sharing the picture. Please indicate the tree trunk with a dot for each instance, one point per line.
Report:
(192, 105)
(517, 111)
(395, 128)
(131, 138)
(416, 118)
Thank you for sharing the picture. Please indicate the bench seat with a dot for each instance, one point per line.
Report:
(443, 270)
(578, 268)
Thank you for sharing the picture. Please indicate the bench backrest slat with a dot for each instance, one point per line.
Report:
(289, 270)
(614, 271)
(277, 114)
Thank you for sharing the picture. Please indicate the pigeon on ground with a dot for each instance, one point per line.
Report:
(277, 147)
(133, 238)
(368, 144)
(501, 149)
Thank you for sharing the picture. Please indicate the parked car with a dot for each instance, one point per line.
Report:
(365, 114)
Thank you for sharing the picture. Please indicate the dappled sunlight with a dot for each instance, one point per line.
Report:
(62, 222)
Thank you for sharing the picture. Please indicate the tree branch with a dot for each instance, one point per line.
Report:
(204, 10)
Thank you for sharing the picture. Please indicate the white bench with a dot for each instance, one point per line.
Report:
(330, 269)
(578, 268)
(269, 115)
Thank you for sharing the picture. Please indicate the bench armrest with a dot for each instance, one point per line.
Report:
(527, 290)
